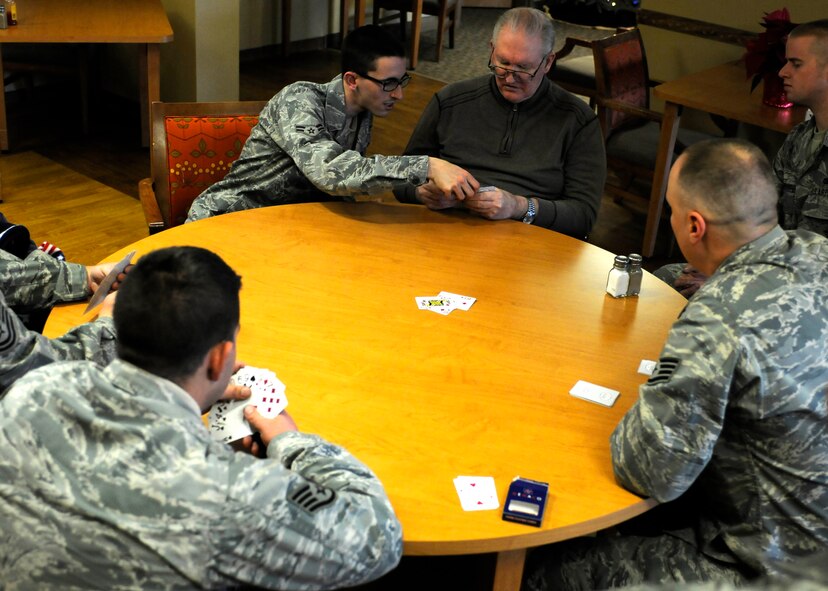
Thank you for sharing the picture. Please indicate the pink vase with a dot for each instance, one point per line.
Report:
(774, 92)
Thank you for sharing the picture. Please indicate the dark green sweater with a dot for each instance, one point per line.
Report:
(549, 146)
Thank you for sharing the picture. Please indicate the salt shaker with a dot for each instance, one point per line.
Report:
(618, 279)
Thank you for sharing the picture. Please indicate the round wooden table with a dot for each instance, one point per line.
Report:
(327, 302)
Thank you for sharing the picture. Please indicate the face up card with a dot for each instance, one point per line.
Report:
(460, 302)
(267, 391)
(226, 421)
(435, 304)
(486, 189)
(477, 493)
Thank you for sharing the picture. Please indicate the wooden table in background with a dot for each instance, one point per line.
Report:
(723, 90)
(141, 22)
(327, 302)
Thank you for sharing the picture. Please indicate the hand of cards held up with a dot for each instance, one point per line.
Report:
(226, 418)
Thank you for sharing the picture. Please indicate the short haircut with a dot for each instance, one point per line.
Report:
(531, 21)
(365, 45)
(818, 30)
(174, 305)
(730, 180)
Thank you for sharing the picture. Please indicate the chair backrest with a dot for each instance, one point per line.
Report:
(193, 146)
(621, 74)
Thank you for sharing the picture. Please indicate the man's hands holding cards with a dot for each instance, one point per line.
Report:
(237, 416)
(496, 204)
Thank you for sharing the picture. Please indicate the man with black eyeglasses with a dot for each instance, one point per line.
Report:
(310, 141)
(536, 148)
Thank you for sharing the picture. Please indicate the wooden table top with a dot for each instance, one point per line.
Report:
(89, 21)
(725, 90)
(327, 302)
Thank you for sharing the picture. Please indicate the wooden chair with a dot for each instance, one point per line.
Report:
(446, 11)
(576, 74)
(193, 146)
(631, 129)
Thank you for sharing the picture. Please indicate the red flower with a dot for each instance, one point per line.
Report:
(766, 53)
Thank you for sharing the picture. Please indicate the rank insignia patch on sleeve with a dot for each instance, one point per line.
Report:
(8, 333)
(665, 369)
(311, 497)
(309, 130)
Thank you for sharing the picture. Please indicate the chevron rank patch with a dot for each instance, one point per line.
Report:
(665, 369)
(8, 331)
(310, 130)
(311, 497)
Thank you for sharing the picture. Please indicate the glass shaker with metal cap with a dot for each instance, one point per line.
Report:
(636, 274)
(618, 279)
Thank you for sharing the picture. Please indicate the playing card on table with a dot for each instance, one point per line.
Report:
(477, 493)
(460, 302)
(435, 304)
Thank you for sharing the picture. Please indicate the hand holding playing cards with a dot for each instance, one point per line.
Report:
(227, 418)
(451, 179)
(433, 198)
(97, 273)
(268, 428)
(108, 305)
(235, 391)
(497, 204)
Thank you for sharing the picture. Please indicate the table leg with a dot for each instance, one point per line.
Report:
(359, 13)
(666, 145)
(286, 10)
(4, 130)
(509, 570)
(344, 11)
(150, 85)
(416, 29)
(345, 15)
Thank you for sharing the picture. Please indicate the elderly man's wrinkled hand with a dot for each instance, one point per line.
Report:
(495, 205)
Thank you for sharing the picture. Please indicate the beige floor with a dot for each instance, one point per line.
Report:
(86, 219)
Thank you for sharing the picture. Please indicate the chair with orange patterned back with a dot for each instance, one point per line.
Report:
(193, 146)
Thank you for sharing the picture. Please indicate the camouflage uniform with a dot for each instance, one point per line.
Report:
(22, 350)
(802, 181)
(737, 409)
(802, 174)
(40, 280)
(808, 574)
(303, 149)
(109, 480)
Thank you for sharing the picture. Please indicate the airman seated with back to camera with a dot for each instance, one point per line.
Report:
(110, 479)
(310, 141)
(801, 166)
(538, 146)
(730, 432)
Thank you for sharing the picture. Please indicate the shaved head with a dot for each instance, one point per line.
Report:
(730, 181)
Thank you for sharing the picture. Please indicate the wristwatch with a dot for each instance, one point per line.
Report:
(530, 212)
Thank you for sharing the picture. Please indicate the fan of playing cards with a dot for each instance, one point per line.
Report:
(226, 418)
(444, 302)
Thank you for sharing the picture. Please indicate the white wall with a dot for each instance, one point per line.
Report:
(202, 62)
(260, 21)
